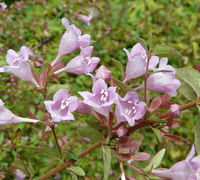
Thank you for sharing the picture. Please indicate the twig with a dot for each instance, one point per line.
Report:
(71, 161)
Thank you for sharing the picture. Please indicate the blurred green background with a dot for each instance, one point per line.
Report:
(37, 24)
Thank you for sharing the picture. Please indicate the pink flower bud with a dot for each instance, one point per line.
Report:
(103, 73)
(174, 110)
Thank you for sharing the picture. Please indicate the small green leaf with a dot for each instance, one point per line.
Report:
(17, 137)
(197, 137)
(190, 82)
(93, 134)
(165, 51)
(41, 150)
(19, 165)
(77, 170)
(142, 42)
(156, 160)
(74, 177)
(94, 124)
(106, 160)
(1, 137)
(124, 87)
(158, 135)
(54, 88)
(73, 155)
(118, 65)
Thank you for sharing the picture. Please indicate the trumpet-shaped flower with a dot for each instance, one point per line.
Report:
(18, 65)
(163, 81)
(71, 40)
(188, 169)
(82, 64)
(137, 62)
(129, 108)
(101, 99)
(62, 106)
(7, 117)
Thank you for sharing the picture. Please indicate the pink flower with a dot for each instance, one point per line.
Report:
(85, 18)
(19, 175)
(101, 99)
(3, 6)
(103, 73)
(18, 65)
(7, 117)
(188, 169)
(137, 60)
(174, 110)
(82, 64)
(163, 81)
(71, 40)
(62, 106)
(129, 108)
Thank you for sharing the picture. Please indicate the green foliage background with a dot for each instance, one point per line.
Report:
(114, 26)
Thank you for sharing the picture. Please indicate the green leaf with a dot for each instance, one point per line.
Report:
(106, 160)
(1, 137)
(74, 177)
(19, 165)
(54, 88)
(77, 170)
(94, 124)
(142, 42)
(118, 65)
(158, 135)
(41, 150)
(156, 160)
(165, 51)
(124, 87)
(73, 155)
(17, 137)
(190, 82)
(93, 134)
(197, 137)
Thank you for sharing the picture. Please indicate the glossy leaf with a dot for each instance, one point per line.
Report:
(158, 135)
(118, 65)
(190, 82)
(106, 161)
(165, 51)
(77, 170)
(197, 136)
(156, 160)
(124, 87)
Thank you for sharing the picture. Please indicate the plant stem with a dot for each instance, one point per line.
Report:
(71, 161)
(56, 139)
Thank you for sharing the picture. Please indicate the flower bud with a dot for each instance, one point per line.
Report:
(174, 110)
(103, 73)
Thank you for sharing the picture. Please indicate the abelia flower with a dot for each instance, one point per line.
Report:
(103, 73)
(19, 175)
(82, 64)
(3, 6)
(129, 108)
(62, 106)
(83, 108)
(71, 40)
(174, 110)
(7, 117)
(163, 81)
(85, 18)
(188, 169)
(18, 65)
(101, 99)
(137, 62)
